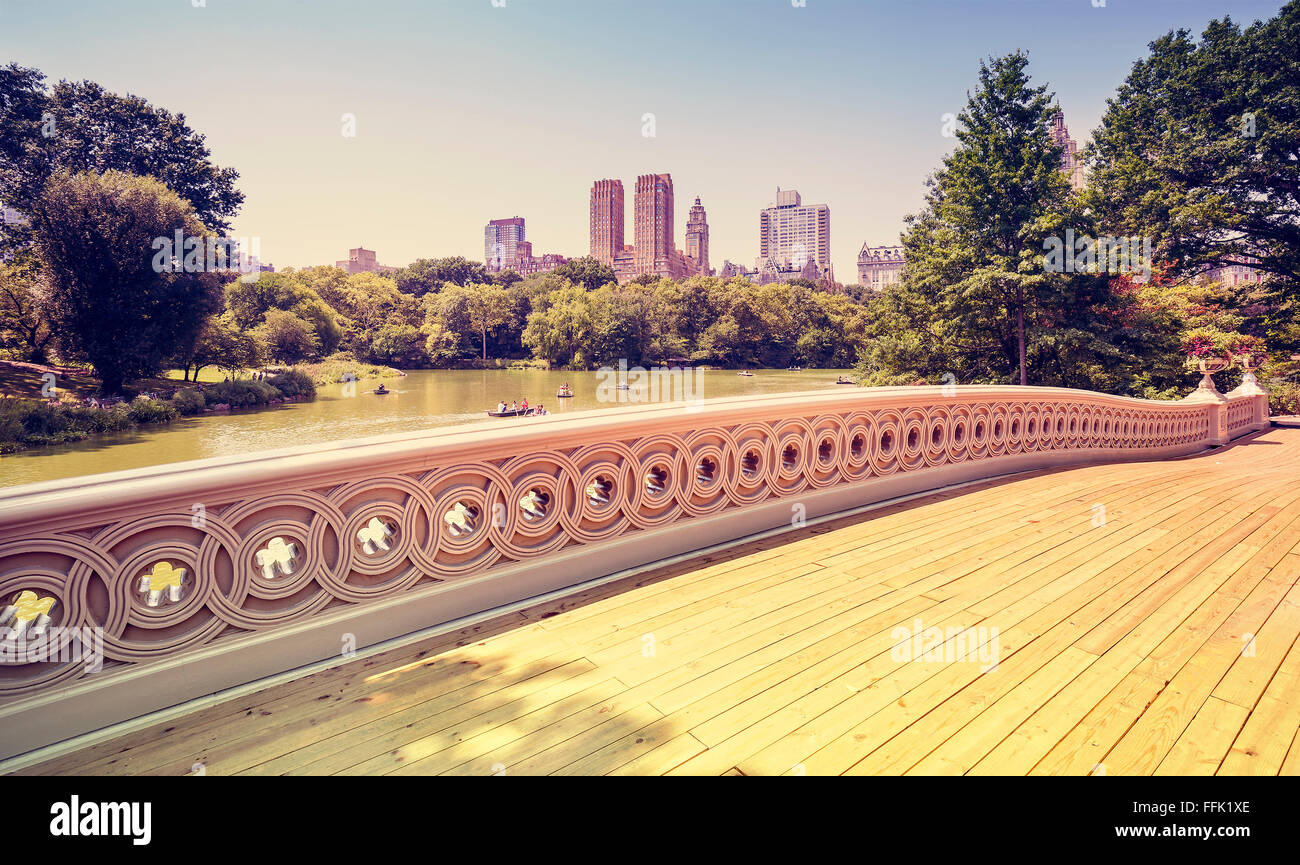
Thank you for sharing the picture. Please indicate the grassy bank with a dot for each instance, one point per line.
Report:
(28, 423)
(339, 367)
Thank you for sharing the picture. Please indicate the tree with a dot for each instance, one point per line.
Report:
(489, 307)
(24, 329)
(588, 272)
(287, 337)
(22, 103)
(448, 324)
(427, 275)
(977, 246)
(89, 129)
(94, 235)
(1200, 149)
(506, 278)
(559, 326)
(223, 344)
(249, 300)
(396, 343)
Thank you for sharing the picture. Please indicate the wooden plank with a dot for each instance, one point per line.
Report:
(1206, 741)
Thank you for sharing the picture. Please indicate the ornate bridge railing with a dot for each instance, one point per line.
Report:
(129, 592)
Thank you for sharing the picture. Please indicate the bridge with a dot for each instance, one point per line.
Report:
(966, 579)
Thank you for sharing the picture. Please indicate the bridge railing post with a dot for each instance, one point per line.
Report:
(1207, 394)
(1250, 388)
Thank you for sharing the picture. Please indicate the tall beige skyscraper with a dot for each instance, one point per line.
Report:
(697, 238)
(652, 222)
(791, 233)
(606, 220)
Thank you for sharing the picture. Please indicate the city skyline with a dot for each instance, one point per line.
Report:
(448, 139)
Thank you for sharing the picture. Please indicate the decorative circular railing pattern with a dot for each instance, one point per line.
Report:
(167, 582)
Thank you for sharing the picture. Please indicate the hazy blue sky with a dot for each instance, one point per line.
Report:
(466, 111)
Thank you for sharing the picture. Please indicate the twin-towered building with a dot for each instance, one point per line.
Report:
(653, 250)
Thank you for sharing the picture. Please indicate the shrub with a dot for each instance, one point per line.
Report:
(293, 383)
(1283, 398)
(152, 411)
(189, 401)
(29, 423)
(240, 393)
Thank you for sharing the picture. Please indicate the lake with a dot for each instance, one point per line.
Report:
(422, 399)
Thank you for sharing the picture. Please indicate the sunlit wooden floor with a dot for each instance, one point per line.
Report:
(1163, 641)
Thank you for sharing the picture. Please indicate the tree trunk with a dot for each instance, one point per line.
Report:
(1020, 331)
(485, 346)
(111, 384)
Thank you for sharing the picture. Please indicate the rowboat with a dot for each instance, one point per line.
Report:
(507, 413)
(563, 394)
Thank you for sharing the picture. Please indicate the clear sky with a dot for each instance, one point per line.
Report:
(468, 111)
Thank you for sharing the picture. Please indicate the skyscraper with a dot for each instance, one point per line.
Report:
(697, 239)
(501, 240)
(653, 223)
(1071, 164)
(653, 251)
(791, 233)
(606, 220)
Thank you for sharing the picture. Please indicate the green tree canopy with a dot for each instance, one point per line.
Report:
(24, 329)
(426, 275)
(94, 236)
(588, 272)
(81, 127)
(288, 337)
(975, 252)
(1200, 149)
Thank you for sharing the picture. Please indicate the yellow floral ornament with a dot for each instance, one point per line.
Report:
(163, 579)
(28, 610)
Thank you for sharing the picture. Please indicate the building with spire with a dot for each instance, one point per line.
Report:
(1071, 164)
(697, 239)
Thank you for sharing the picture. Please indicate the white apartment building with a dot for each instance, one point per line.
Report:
(791, 233)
